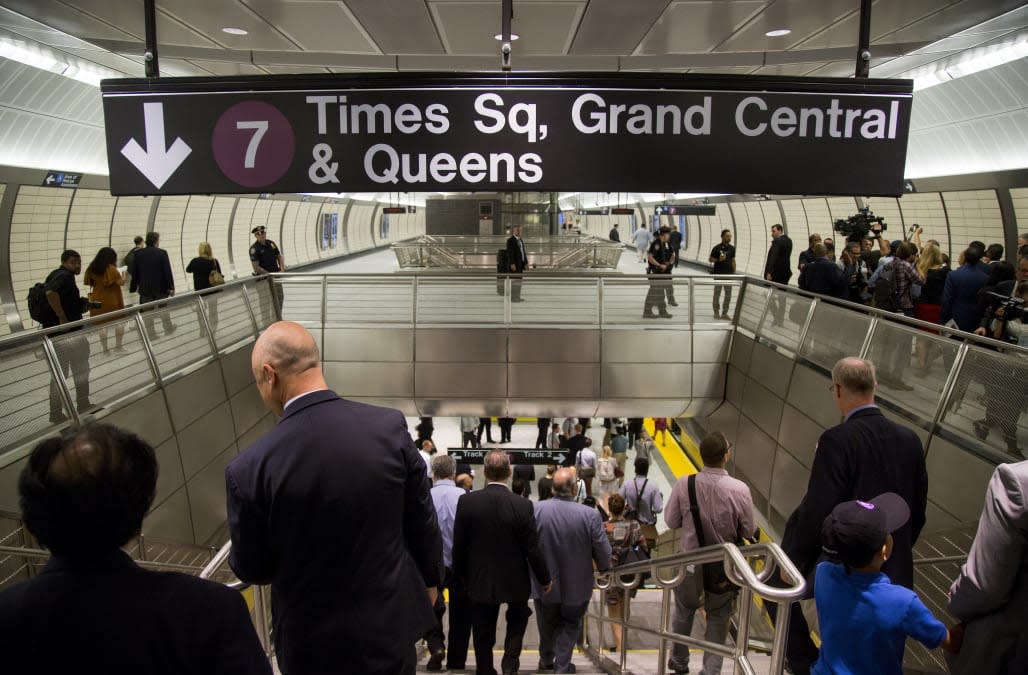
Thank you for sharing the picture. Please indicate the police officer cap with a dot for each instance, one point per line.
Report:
(257, 230)
(664, 229)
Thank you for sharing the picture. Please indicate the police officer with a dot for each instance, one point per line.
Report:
(660, 259)
(266, 257)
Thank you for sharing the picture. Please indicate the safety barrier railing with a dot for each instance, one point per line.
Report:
(971, 389)
(50, 378)
(471, 252)
(669, 572)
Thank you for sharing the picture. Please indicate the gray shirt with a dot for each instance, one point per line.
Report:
(648, 506)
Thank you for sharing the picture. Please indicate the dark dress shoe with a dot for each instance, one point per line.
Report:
(664, 315)
(435, 663)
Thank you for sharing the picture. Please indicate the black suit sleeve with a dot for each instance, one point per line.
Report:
(169, 278)
(134, 285)
(420, 527)
(918, 514)
(528, 535)
(772, 256)
(828, 486)
(513, 253)
(460, 540)
(251, 559)
(236, 649)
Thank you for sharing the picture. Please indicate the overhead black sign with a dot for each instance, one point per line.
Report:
(62, 179)
(517, 456)
(569, 132)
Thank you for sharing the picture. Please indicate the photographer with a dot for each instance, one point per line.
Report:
(854, 269)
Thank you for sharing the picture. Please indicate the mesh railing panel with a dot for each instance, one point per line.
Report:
(556, 302)
(302, 302)
(754, 301)
(784, 319)
(113, 374)
(706, 294)
(989, 399)
(234, 324)
(24, 395)
(184, 346)
(477, 300)
(834, 332)
(625, 300)
(263, 302)
(365, 300)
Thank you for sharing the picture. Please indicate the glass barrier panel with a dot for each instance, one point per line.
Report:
(715, 300)
(834, 332)
(182, 343)
(754, 301)
(900, 380)
(784, 319)
(234, 324)
(638, 301)
(989, 399)
(362, 300)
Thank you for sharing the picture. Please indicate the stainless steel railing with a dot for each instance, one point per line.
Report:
(668, 572)
(479, 252)
(261, 606)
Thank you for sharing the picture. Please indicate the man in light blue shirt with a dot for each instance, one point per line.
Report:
(642, 238)
(445, 494)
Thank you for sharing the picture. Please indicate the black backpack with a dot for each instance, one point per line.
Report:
(885, 289)
(39, 308)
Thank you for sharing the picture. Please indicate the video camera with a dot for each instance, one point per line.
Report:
(1013, 306)
(859, 226)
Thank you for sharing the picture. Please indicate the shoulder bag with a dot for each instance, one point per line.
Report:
(714, 578)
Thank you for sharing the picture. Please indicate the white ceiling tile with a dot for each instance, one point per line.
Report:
(398, 26)
(314, 26)
(690, 27)
(470, 27)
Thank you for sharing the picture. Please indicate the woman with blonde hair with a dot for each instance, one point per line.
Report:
(206, 271)
(929, 304)
(605, 472)
(103, 275)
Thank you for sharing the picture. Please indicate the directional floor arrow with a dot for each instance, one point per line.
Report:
(157, 163)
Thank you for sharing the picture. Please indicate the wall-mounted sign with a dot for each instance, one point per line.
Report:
(685, 210)
(62, 179)
(563, 132)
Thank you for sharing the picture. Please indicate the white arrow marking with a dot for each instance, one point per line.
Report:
(156, 162)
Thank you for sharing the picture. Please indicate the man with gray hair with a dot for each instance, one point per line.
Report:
(572, 538)
(445, 495)
(494, 544)
(864, 456)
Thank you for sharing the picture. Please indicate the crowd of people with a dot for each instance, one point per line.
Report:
(357, 568)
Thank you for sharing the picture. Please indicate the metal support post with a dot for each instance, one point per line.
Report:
(864, 44)
(150, 55)
(665, 627)
(58, 375)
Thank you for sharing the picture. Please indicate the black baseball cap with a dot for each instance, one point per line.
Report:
(257, 230)
(855, 530)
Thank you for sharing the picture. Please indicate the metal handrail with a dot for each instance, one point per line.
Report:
(260, 597)
(738, 570)
(43, 554)
(217, 562)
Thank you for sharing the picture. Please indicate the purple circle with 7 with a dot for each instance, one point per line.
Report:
(253, 143)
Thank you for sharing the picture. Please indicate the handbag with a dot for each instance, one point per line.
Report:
(715, 580)
(215, 278)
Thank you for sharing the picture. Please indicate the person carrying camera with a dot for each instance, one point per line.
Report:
(67, 305)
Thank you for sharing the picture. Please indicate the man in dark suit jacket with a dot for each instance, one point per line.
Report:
(332, 508)
(960, 293)
(777, 268)
(494, 544)
(517, 261)
(151, 276)
(572, 538)
(92, 610)
(864, 456)
(823, 276)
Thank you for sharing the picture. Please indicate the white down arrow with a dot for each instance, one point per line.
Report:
(157, 163)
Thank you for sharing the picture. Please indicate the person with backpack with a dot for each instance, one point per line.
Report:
(644, 501)
(626, 543)
(606, 472)
(64, 304)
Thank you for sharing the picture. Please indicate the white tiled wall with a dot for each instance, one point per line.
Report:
(888, 208)
(37, 238)
(974, 215)
(309, 232)
(131, 216)
(819, 221)
(796, 224)
(925, 209)
(241, 237)
(194, 231)
(171, 213)
(89, 223)
(1020, 198)
(841, 208)
(218, 238)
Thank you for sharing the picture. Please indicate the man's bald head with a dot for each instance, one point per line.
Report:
(564, 482)
(286, 363)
